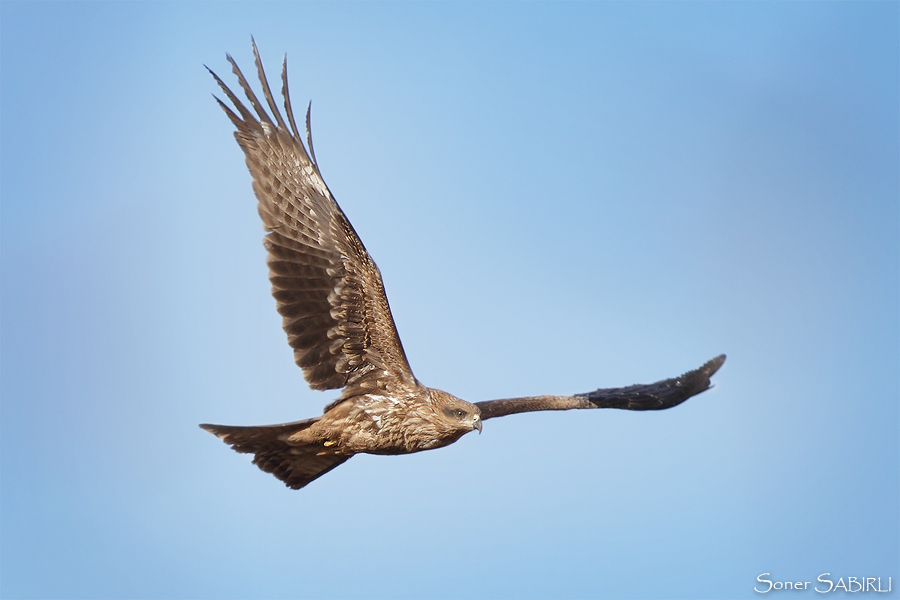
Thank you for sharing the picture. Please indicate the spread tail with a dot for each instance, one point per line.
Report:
(295, 465)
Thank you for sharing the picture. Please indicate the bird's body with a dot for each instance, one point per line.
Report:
(338, 321)
(382, 424)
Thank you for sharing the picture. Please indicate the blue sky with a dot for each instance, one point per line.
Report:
(560, 197)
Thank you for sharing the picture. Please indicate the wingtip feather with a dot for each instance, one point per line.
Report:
(713, 365)
(285, 91)
(267, 91)
(312, 151)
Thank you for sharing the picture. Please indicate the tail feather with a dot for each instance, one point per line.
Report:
(295, 465)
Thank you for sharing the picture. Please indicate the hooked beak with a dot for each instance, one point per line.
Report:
(477, 424)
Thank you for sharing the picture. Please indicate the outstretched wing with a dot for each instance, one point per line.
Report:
(654, 396)
(326, 286)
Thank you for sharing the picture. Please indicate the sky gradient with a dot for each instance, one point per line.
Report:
(560, 197)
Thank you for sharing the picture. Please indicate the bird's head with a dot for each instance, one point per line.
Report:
(456, 415)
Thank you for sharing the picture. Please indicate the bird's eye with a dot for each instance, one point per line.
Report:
(460, 413)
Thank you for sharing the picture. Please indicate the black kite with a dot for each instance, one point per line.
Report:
(337, 319)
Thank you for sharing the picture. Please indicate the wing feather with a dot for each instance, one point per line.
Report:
(287, 98)
(248, 91)
(267, 92)
(312, 150)
(327, 288)
(655, 396)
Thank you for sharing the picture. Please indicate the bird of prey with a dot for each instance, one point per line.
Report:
(337, 319)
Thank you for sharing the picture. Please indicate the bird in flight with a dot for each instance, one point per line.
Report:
(334, 310)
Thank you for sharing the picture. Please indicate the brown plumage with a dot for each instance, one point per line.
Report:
(337, 319)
